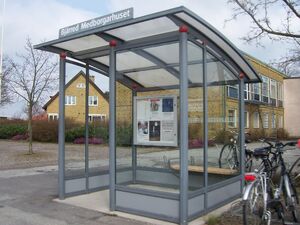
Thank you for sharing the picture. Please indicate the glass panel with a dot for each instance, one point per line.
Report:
(98, 123)
(223, 117)
(147, 135)
(154, 78)
(217, 72)
(220, 40)
(195, 117)
(167, 53)
(144, 29)
(74, 121)
(83, 43)
(124, 136)
(103, 59)
(130, 60)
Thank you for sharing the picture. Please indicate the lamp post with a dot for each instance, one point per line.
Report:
(1, 48)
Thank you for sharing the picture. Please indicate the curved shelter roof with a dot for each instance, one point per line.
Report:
(148, 45)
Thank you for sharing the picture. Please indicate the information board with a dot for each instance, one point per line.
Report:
(155, 120)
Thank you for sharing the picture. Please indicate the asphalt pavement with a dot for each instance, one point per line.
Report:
(28, 200)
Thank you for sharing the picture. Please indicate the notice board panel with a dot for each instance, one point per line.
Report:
(155, 120)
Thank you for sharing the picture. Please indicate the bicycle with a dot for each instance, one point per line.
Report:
(229, 155)
(295, 170)
(261, 196)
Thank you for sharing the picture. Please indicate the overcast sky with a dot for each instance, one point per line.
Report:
(41, 19)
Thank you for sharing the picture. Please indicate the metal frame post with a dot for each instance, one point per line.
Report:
(183, 58)
(61, 126)
(86, 141)
(112, 126)
(205, 122)
(134, 153)
(242, 126)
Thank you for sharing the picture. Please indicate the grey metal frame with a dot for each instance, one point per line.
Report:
(61, 129)
(186, 200)
(184, 174)
(112, 128)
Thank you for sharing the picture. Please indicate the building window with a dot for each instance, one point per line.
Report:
(246, 119)
(52, 116)
(266, 120)
(273, 92)
(232, 118)
(280, 94)
(256, 92)
(247, 92)
(233, 91)
(265, 89)
(96, 117)
(255, 120)
(93, 100)
(273, 121)
(280, 122)
(70, 100)
(80, 85)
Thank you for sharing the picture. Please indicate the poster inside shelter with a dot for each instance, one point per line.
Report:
(156, 120)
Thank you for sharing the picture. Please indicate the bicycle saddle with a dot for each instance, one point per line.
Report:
(261, 152)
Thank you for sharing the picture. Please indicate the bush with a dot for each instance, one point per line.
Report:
(45, 131)
(223, 137)
(124, 135)
(20, 137)
(92, 140)
(11, 128)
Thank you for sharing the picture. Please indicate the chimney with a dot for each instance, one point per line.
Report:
(92, 78)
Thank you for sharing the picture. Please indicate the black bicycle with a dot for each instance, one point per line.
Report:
(230, 153)
(269, 188)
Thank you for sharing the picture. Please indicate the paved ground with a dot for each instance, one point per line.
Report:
(27, 200)
(26, 194)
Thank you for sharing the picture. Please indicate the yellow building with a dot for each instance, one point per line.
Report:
(75, 101)
(264, 110)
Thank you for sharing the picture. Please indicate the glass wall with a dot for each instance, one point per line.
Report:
(147, 113)
(223, 113)
(74, 121)
(195, 117)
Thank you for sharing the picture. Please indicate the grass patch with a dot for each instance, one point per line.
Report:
(213, 220)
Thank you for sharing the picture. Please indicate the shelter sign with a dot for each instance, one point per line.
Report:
(115, 17)
(155, 120)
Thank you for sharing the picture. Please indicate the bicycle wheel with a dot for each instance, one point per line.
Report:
(292, 199)
(295, 173)
(254, 212)
(228, 157)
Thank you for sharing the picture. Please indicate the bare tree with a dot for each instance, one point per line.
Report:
(32, 74)
(278, 20)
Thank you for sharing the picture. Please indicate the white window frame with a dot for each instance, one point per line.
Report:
(234, 118)
(279, 93)
(91, 116)
(258, 92)
(273, 121)
(247, 119)
(92, 100)
(274, 84)
(266, 120)
(53, 115)
(280, 121)
(247, 90)
(234, 87)
(80, 85)
(256, 123)
(266, 80)
(70, 100)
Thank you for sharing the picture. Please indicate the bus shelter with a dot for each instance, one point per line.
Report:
(169, 74)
